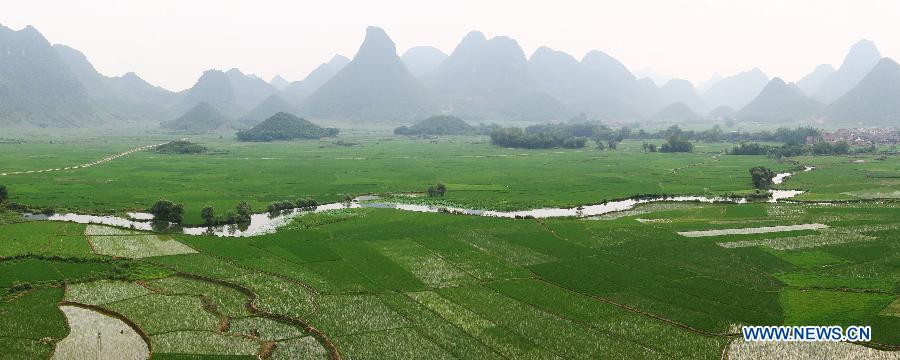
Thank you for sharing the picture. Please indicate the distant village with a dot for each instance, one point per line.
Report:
(863, 136)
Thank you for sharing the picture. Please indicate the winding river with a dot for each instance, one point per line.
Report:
(265, 223)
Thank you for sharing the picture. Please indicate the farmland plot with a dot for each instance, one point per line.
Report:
(403, 343)
(33, 315)
(277, 295)
(158, 314)
(303, 348)
(200, 264)
(264, 329)
(43, 238)
(203, 342)
(426, 266)
(440, 331)
(661, 337)
(753, 350)
(103, 291)
(802, 242)
(756, 230)
(93, 335)
(138, 246)
(499, 339)
(551, 333)
(351, 314)
(221, 299)
(893, 309)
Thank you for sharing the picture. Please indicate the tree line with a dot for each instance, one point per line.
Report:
(576, 135)
(788, 150)
(537, 137)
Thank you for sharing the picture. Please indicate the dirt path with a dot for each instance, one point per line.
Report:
(97, 162)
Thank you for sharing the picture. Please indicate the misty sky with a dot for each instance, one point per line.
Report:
(170, 42)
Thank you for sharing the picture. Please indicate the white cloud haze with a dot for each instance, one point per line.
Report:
(170, 42)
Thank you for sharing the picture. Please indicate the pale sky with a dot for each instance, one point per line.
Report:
(170, 43)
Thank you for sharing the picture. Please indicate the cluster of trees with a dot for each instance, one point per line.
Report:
(440, 125)
(181, 147)
(648, 147)
(597, 130)
(575, 134)
(304, 203)
(787, 150)
(437, 190)
(240, 215)
(284, 126)
(676, 143)
(762, 177)
(165, 210)
(537, 137)
(611, 144)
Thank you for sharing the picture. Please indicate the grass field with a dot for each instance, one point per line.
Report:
(391, 284)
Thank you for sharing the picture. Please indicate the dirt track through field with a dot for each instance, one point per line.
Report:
(82, 166)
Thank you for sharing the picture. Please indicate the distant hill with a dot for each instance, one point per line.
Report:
(279, 82)
(677, 112)
(481, 76)
(722, 112)
(213, 88)
(680, 90)
(736, 91)
(297, 91)
(270, 106)
(875, 100)
(438, 125)
(778, 102)
(613, 91)
(861, 58)
(811, 83)
(249, 90)
(127, 97)
(284, 126)
(201, 119)
(421, 60)
(374, 87)
(556, 73)
(708, 83)
(36, 85)
(598, 85)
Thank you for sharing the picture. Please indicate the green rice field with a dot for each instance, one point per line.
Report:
(374, 283)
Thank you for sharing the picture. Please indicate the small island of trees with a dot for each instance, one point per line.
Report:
(284, 126)
(438, 125)
(181, 147)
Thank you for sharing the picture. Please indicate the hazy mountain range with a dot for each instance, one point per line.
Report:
(482, 80)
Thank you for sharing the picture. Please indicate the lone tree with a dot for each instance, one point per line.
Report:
(242, 211)
(165, 210)
(437, 190)
(676, 143)
(762, 177)
(4, 193)
(209, 215)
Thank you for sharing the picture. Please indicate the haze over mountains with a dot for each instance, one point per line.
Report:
(482, 80)
(779, 102)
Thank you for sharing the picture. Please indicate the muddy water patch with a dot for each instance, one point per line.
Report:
(97, 336)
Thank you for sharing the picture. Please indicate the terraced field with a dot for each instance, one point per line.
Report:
(388, 284)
